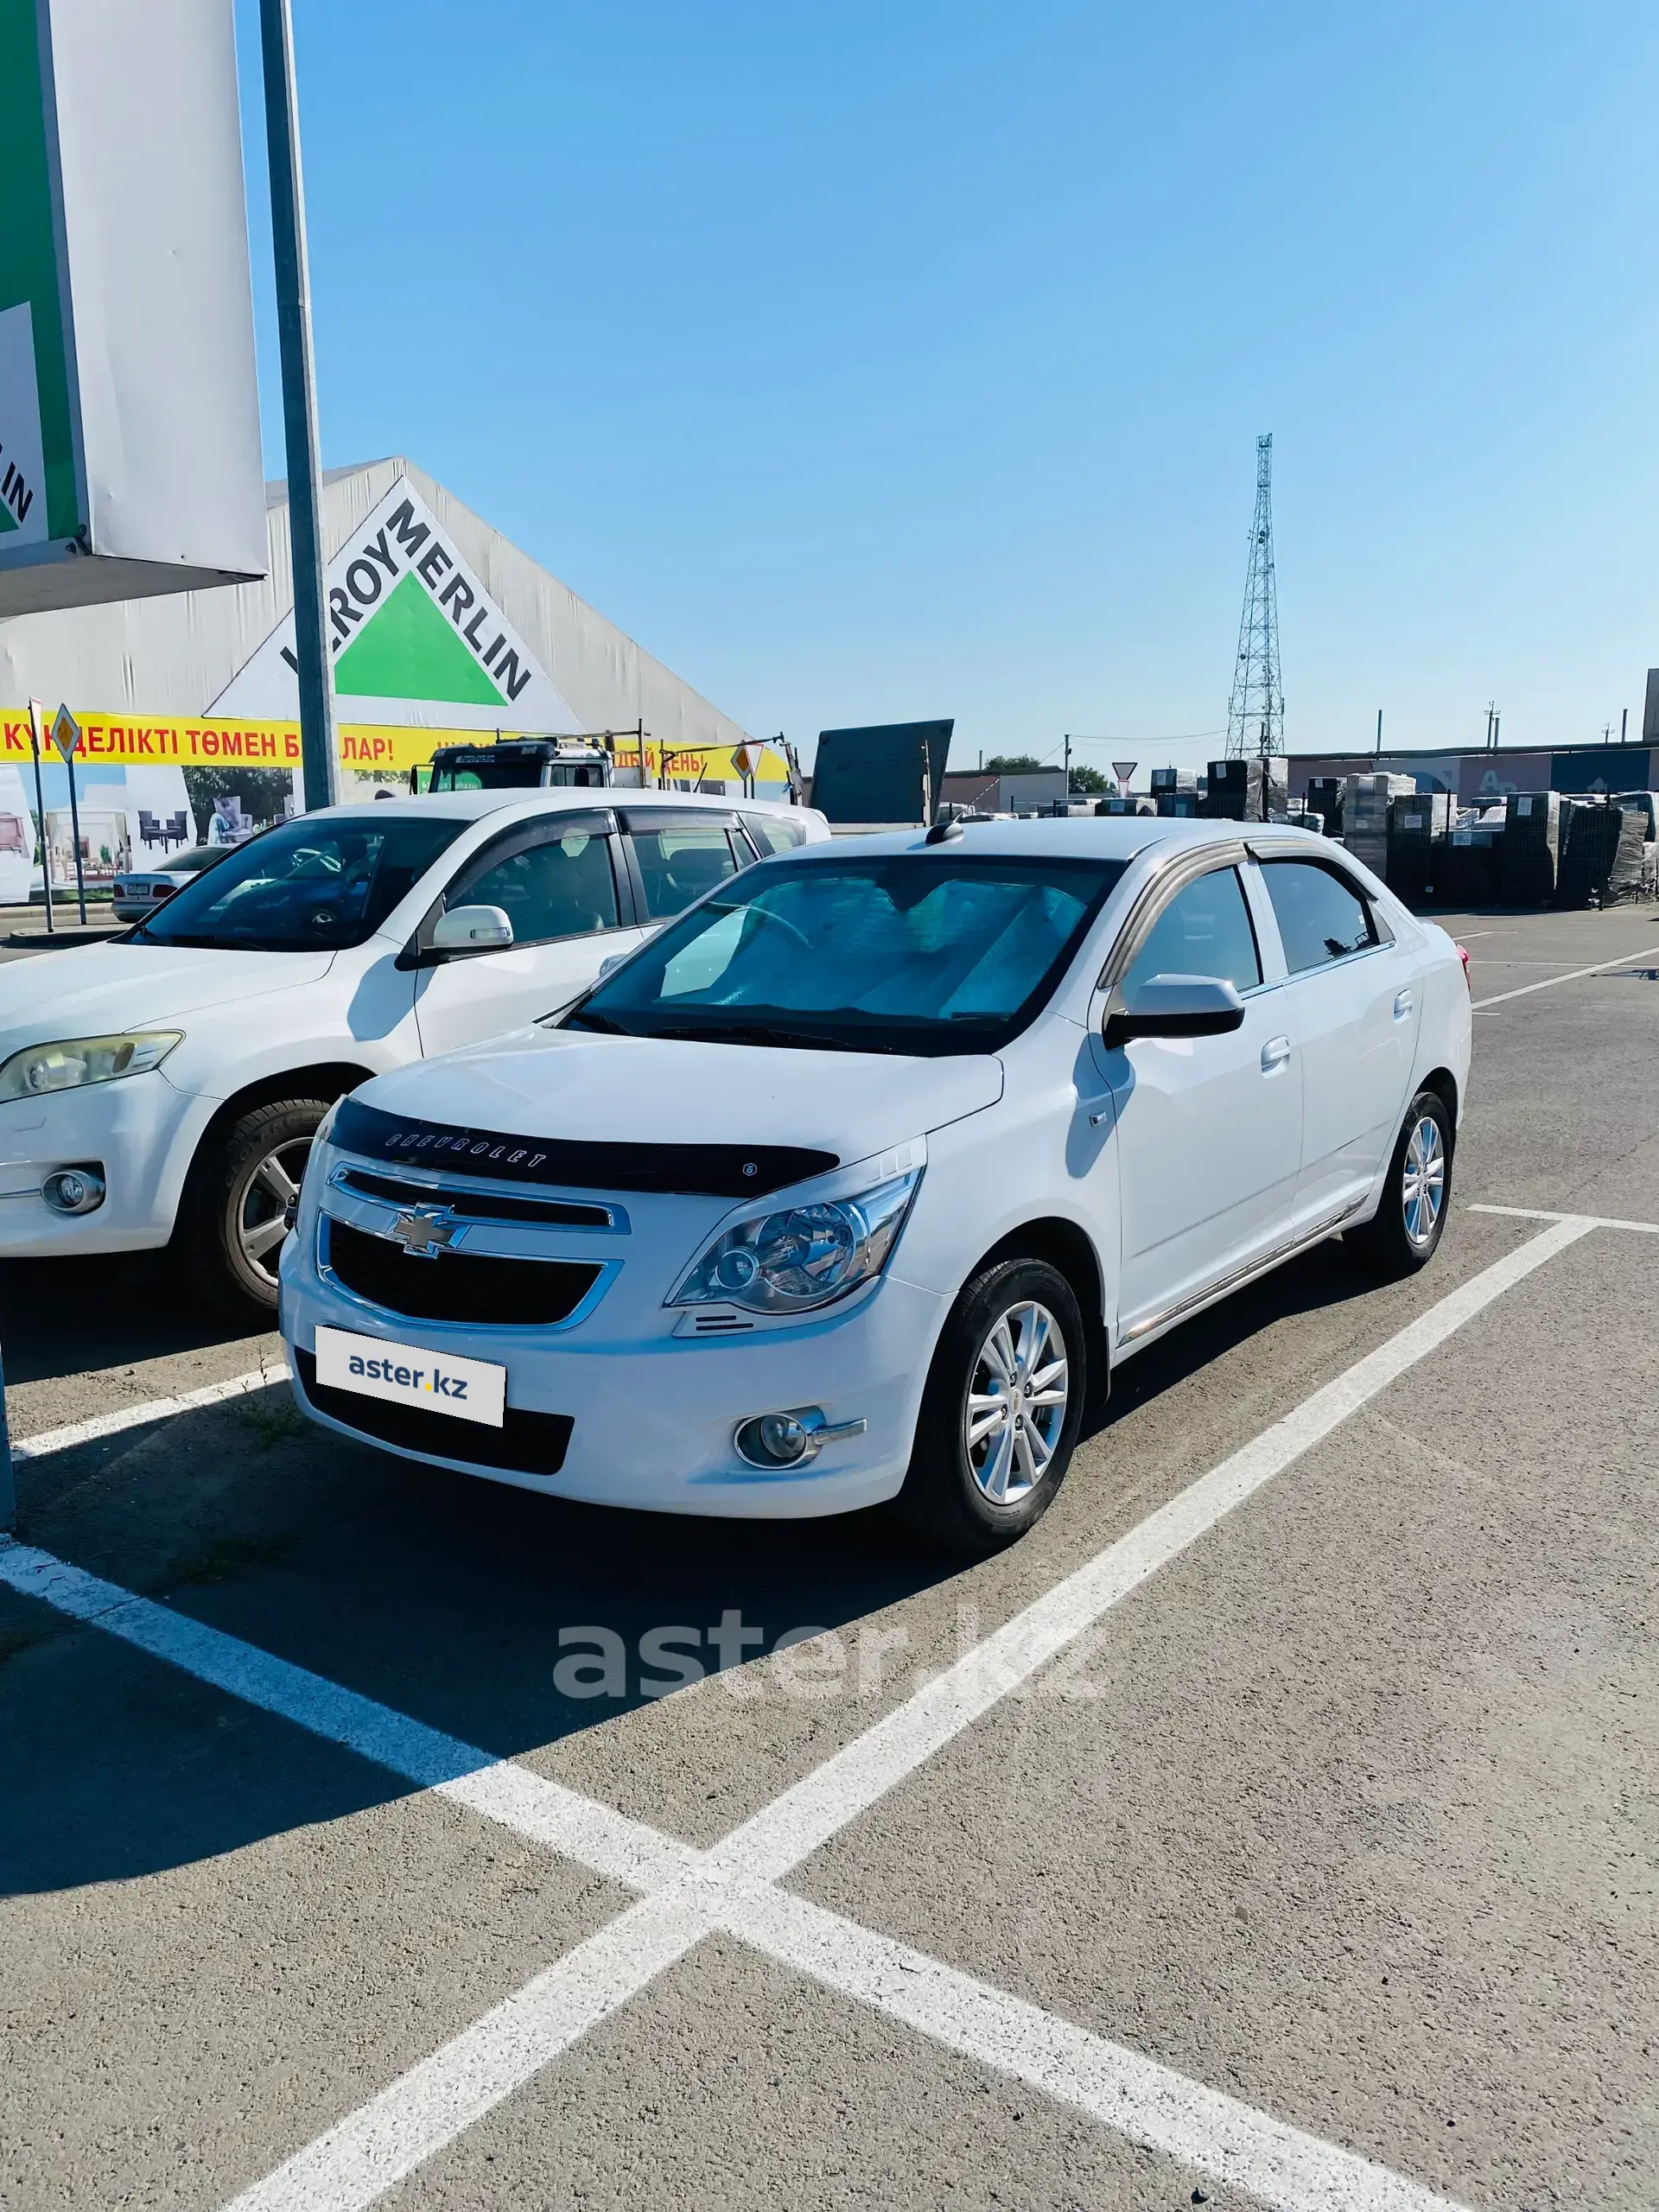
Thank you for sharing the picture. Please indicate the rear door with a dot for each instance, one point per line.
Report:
(561, 883)
(1355, 1002)
(1208, 1129)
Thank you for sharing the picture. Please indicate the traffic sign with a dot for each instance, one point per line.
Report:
(1123, 770)
(65, 733)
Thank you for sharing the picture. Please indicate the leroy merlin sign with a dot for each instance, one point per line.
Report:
(416, 640)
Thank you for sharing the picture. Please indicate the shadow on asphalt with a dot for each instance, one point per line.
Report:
(73, 1316)
(438, 1595)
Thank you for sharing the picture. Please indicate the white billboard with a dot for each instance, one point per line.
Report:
(130, 459)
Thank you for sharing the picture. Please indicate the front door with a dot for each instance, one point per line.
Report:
(556, 881)
(1354, 994)
(1208, 1129)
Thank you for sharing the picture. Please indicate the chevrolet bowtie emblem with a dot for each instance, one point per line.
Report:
(425, 1230)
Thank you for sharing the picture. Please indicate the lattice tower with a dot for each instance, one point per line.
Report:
(1256, 711)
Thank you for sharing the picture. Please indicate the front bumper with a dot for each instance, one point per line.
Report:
(653, 1416)
(131, 1129)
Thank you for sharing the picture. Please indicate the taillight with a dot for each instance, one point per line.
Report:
(1463, 954)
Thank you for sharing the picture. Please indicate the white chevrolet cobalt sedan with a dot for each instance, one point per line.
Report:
(165, 1085)
(857, 1181)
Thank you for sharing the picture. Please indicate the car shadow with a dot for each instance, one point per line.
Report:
(459, 1602)
(59, 1317)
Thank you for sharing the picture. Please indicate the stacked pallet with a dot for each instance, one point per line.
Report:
(1602, 855)
(1325, 797)
(1247, 790)
(1530, 854)
(1365, 802)
(1468, 874)
(1418, 827)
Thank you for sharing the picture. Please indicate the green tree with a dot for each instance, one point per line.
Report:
(1012, 764)
(1086, 779)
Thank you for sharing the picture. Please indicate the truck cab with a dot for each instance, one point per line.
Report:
(515, 764)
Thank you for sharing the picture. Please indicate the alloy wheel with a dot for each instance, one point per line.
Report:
(262, 1209)
(1017, 1398)
(1423, 1183)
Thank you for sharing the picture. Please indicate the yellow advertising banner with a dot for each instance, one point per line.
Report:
(203, 742)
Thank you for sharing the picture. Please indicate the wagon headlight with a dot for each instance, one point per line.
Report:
(801, 1256)
(68, 1066)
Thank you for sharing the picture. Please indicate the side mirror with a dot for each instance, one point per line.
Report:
(1176, 1006)
(472, 929)
(609, 964)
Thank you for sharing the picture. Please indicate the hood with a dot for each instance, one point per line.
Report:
(564, 1084)
(97, 991)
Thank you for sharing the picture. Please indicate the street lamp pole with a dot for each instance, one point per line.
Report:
(319, 762)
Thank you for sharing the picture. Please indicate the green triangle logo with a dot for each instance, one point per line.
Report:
(408, 649)
(8, 520)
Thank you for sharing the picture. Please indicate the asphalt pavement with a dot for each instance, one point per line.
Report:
(1308, 1860)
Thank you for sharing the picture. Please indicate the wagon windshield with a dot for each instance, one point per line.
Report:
(319, 883)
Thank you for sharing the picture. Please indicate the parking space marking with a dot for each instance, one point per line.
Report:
(138, 1416)
(1502, 998)
(805, 1817)
(689, 1894)
(1595, 1220)
(561, 1820)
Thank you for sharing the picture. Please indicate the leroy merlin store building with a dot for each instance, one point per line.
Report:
(441, 629)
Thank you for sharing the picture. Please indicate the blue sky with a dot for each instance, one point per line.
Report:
(880, 361)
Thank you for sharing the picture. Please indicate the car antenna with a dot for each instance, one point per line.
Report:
(943, 833)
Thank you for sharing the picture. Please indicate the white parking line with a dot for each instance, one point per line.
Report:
(1596, 1221)
(1502, 998)
(137, 1416)
(689, 1894)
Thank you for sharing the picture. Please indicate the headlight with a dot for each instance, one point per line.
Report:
(42, 1068)
(790, 1261)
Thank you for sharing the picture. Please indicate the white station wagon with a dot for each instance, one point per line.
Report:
(166, 1085)
(855, 1182)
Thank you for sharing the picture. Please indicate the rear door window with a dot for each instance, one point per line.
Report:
(679, 861)
(1321, 918)
(774, 833)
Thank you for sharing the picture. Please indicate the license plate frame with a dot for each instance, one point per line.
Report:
(434, 1382)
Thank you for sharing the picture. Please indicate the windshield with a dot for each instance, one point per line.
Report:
(921, 953)
(306, 885)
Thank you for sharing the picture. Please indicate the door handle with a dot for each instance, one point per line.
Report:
(1402, 1005)
(1275, 1053)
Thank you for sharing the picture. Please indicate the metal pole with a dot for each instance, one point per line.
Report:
(8, 1480)
(319, 762)
(1379, 733)
(75, 832)
(35, 740)
(1625, 726)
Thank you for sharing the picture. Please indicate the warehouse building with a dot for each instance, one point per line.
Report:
(441, 628)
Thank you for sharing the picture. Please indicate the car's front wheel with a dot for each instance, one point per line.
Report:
(1408, 1225)
(236, 1212)
(1001, 1412)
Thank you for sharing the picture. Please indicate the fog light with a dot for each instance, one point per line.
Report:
(790, 1440)
(75, 1190)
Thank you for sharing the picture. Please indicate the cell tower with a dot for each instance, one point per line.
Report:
(1256, 711)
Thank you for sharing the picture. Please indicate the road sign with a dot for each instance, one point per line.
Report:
(65, 733)
(746, 759)
(1123, 770)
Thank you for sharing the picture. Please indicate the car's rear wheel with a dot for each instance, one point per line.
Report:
(242, 1188)
(1411, 1219)
(1001, 1412)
